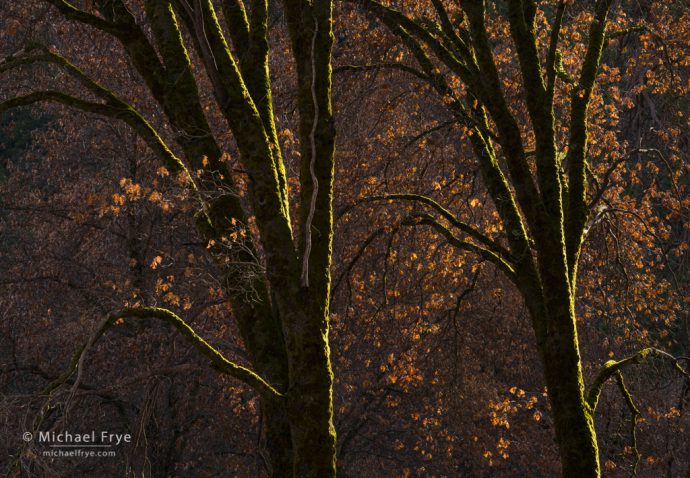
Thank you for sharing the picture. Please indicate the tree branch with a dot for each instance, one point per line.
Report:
(120, 23)
(551, 67)
(122, 112)
(238, 24)
(411, 34)
(433, 129)
(603, 185)
(378, 66)
(357, 256)
(540, 108)
(73, 13)
(427, 219)
(576, 214)
(257, 154)
(635, 413)
(493, 246)
(217, 359)
(448, 30)
(391, 17)
(491, 94)
(626, 31)
(612, 367)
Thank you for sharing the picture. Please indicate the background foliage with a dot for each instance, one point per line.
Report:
(436, 372)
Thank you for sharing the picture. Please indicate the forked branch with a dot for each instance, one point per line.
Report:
(612, 367)
(487, 242)
(484, 253)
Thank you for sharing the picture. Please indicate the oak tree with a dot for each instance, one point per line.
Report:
(535, 169)
(275, 271)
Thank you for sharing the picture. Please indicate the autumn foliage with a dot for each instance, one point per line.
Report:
(347, 260)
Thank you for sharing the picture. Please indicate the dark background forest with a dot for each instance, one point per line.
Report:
(435, 366)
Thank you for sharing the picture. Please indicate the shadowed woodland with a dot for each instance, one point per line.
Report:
(350, 238)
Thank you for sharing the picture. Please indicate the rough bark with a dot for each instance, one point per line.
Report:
(284, 325)
(544, 213)
(310, 28)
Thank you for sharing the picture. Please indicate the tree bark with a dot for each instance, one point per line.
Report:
(310, 408)
(283, 321)
(560, 354)
(573, 420)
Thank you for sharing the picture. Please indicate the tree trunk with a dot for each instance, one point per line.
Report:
(310, 404)
(311, 410)
(573, 421)
(309, 399)
(277, 439)
(560, 354)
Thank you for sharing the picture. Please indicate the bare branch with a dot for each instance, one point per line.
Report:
(380, 66)
(450, 217)
(73, 13)
(217, 359)
(635, 413)
(603, 186)
(612, 367)
(121, 111)
(357, 256)
(551, 72)
(427, 132)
